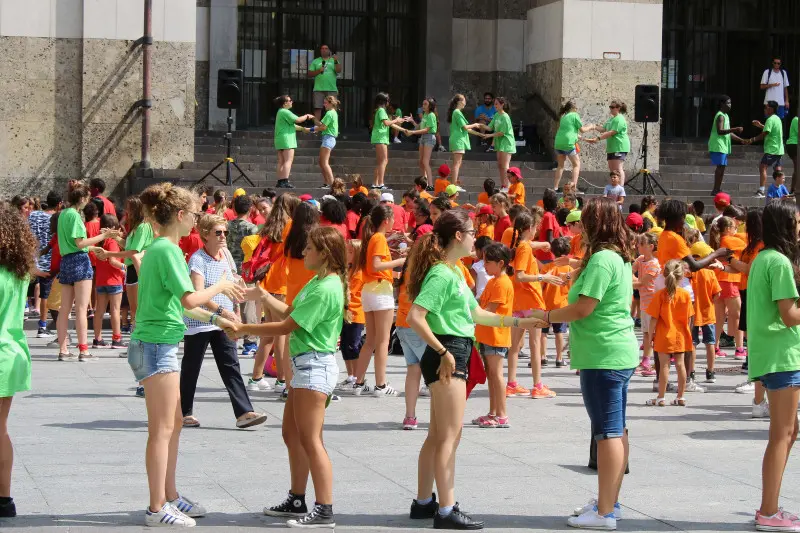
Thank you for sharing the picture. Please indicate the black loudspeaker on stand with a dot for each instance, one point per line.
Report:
(229, 96)
(647, 110)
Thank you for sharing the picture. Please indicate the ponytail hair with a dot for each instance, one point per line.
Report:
(502, 101)
(431, 248)
(623, 107)
(378, 215)
(331, 99)
(673, 273)
(162, 202)
(497, 252)
(522, 223)
(718, 228)
(568, 107)
(453, 104)
(281, 100)
(330, 244)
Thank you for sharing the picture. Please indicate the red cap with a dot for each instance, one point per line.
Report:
(444, 170)
(486, 210)
(305, 197)
(722, 199)
(515, 172)
(634, 220)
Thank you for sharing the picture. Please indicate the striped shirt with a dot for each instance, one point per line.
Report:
(212, 271)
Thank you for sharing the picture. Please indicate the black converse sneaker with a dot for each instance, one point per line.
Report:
(421, 511)
(321, 516)
(294, 506)
(7, 508)
(455, 520)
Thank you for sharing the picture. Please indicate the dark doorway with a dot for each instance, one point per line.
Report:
(743, 79)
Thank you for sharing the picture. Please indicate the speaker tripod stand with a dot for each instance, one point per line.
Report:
(228, 161)
(648, 180)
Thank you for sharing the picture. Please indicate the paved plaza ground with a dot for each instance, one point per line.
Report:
(79, 438)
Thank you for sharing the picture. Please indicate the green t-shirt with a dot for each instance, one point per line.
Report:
(398, 112)
(448, 300)
(568, 130)
(139, 239)
(459, 137)
(792, 132)
(380, 132)
(773, 142)
(430, 121)
(507, 143)
(70, 227)
(720, 143)
(163, 280)
(15, 357)
(325, 81)
(285, 132)
(605, 339)
(319, 311)
(331, 121)
(771, 346)
(619, 143)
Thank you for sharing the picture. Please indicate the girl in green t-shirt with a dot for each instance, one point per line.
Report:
(615, 132)
(314, 323)
(17, 265)
(287, 124)
(380, 126)
(501, 130)
(569, 132)
(444, 314)
(76, 271)
(460, 130)
(429, 127)
(328, 127)
(167, 294)
(791, 150)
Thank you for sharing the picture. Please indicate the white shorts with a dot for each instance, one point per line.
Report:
(645, 318)
(377, 296)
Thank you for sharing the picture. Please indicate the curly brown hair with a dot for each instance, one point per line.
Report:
(18, 245)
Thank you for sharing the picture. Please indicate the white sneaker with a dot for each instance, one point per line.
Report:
(167, 516)
(694, 387)
(260, 385)
(397, 140)
(188, 507)
(387, 390)
(361, 390)
(747, 387)
(671, 387)
(592, 506)
(424, 391)
(760, 410)
(345, 384)
(279, 386)
(591, 520)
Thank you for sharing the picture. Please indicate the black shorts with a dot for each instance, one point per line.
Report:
(131, 276)
(791, 151)
(616, 156)
(351, 340)
(743, 312)
(557, 327)
(460, 347)
(636, 294)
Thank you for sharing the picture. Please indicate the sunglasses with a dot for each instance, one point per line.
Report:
(221, 232)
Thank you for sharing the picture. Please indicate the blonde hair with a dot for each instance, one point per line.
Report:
(673, 273)
(333, 101)
(162, 202)
(691, 235)
(338, 187)
(648, 238)
(355, 245)
(207, 223)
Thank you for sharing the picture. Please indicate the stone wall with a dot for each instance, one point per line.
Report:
(201, 95)
(545, 79)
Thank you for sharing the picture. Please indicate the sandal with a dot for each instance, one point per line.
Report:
(250, 420)
(190, 422)
(679, 402)
(656, 402)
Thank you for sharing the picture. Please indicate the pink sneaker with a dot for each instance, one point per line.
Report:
(648, 372)
(410, 423)
(481, 419)
(740, 353)
(719, 353)
(488, 423)
(780, 521)
(502, 422)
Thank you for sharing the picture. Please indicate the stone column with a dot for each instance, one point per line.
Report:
(439, 51)
(223, 26)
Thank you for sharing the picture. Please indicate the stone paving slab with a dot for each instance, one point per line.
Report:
(79, 437)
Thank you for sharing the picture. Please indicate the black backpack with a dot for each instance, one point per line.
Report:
(394, 343)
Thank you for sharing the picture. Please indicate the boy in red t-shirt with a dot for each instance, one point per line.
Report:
(109, 277)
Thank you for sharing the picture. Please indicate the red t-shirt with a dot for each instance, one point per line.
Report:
(229, 214)
(351, 221)
(92, 230)
(257, 219)
(341, 228)
(106, 274)
(549, 223)
(411, 221)
(500, 226)
(108, 206)
(400, 218)
(55, 256)
(190, 244)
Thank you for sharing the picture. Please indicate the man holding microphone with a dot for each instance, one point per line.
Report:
(324, 69)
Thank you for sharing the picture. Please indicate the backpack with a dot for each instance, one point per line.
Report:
(394, 343)
(784, 77)
(259, 264)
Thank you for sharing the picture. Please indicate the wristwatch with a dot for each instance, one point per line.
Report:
(540, 278)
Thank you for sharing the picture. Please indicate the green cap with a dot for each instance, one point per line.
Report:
(690, 221)
(574, 216)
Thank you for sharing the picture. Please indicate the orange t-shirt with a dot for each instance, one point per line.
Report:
(508, 233)
(736, 245)
(499, 290)
(486, 230)
(555, 296)
(705, 286)
(671, 246)
(355, 191)
(439, 186)
(748, 258)
(453, 204)
(672, 330)
(465, 272)
(377, 246)
(576, 247)
(355, 283)
(527, 295)
(296, 278)
(483, 198)
(517, 189)
(275, 280)
(426, 195)
(403, 305)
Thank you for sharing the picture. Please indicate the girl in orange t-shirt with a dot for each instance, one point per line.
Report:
(357, 185)
(723, 235)
(413, 348)
(671, 309)
(555, 297)
(377, 298)
(351, 337)
(486, 220)
(528, 296)
(498, 298)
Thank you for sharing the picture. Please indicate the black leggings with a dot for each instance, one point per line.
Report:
(227, 360)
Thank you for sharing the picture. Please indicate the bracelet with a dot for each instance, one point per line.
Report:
(211, 318)
(540, 278)
(502, 321)
(442, 351)
(516, 322)
(219, 310)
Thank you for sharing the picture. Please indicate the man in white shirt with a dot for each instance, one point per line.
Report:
(776, 84)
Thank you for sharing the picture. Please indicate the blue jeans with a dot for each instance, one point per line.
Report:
(605, 395)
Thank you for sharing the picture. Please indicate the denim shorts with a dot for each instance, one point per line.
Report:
(109, 289)
(74, 268)
(351, 340)
(781, 380)
(315, 371)
(328, 141)
(605, 395)
(769, 160)
(147, 359)
(427, 139)
(494, 350)
(567, 152)
(709, 334)
(413, 345)
(557, 327)
(460, 347)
